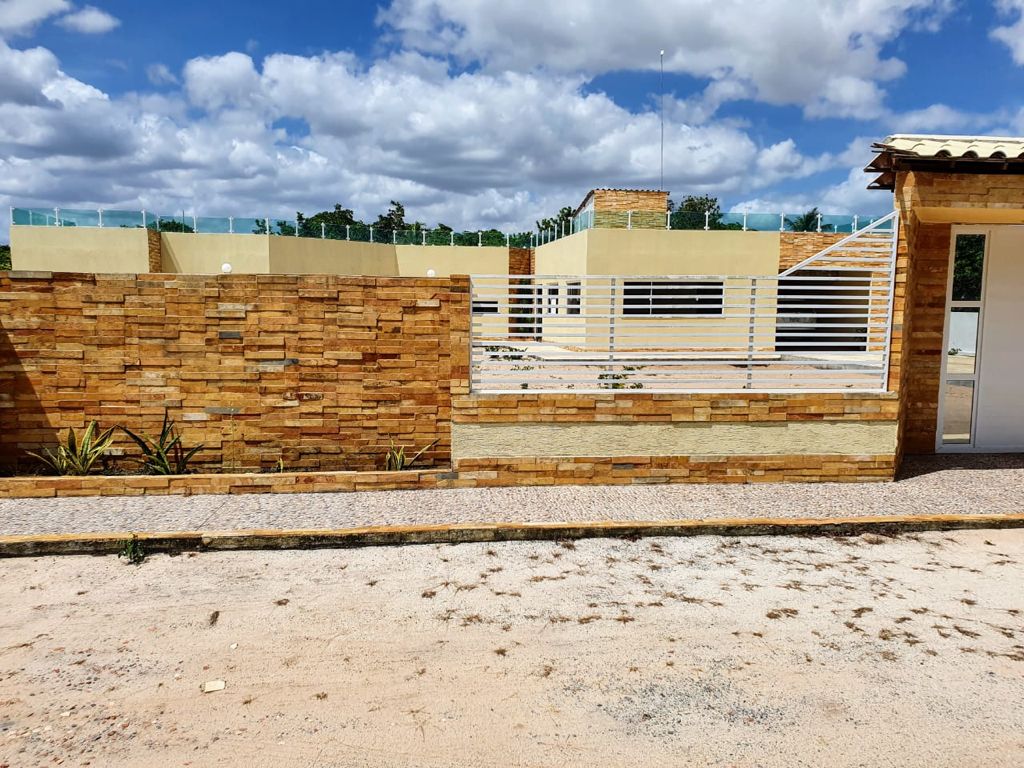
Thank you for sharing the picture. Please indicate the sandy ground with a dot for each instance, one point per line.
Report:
(950, 484)
(658, 652)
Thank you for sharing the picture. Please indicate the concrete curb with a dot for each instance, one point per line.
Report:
(34, 545)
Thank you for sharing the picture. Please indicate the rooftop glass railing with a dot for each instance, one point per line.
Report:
(283, 227)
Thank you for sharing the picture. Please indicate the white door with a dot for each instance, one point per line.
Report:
(1000, 415)
(982, 403)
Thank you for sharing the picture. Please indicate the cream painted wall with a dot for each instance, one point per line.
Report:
(79, 249)
(308, 256)
(677, 439)
(567, 256)
(415, 260)
(190, 254)
(681, 252)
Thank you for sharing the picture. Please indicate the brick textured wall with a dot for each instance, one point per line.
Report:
(155, 251)
(758, 410)
(319, 371)
(521, 261)
(612, 206)
(795, 247)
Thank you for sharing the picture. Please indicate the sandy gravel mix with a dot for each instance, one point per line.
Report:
(936, 485)
(763, 652)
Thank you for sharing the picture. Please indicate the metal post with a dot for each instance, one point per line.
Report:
(750, 333)
(323, 231)
(347, 229)
(56, 217)
(99, 211)
(296, 227)
(707, 220)
(479, 239)
(612, 309)
(451, 237)
(231, 225)
(507, 240)
(394, 237)
(819, 222)
(855, 227)
(629, 219)
(371, 234)
(423, 238)
(268, 226)
(668, 219)
(143, 218)
(195, 224)
(782, 222)
(744, 221)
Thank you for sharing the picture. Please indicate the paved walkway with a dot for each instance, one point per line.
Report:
(930, 485)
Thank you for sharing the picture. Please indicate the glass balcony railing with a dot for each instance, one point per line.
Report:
(283, 227)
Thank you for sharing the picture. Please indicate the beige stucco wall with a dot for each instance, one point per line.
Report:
(566, 256)
(190, 254)
(79, 249)
(681, 252)
(307, 256)
(415, 260)
(678, 439)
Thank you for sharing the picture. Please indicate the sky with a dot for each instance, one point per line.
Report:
(485, 113)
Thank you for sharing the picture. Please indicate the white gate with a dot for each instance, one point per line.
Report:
(822, 326)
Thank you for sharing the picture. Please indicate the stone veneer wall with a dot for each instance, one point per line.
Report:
(521, 261)
(320, 371)
(795, 247)
(154, 248)
(807, 437)
(612, 207)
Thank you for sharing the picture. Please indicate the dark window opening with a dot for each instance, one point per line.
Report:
(672, 298)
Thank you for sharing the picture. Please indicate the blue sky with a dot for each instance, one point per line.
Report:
(481, 113)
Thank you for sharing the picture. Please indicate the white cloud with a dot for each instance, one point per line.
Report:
(824, 55)
(217, 81)
(90, 20)
(160, 74)
(22, 16)
(1012, 34)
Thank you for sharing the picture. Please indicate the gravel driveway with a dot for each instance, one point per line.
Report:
(772, 652)
(933, 485)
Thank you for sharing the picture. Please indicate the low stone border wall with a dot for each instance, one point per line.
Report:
(190, 485)
(476, 473)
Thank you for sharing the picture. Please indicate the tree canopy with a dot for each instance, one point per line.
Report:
(807, 222)
(5, 258)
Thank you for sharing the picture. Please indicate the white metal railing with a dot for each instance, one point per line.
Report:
(823, 326)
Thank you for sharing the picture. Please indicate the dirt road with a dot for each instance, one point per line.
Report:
(657, 652)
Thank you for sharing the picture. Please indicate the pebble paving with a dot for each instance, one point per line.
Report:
(928, 485)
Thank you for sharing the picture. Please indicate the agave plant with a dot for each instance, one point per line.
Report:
(164, 455)
(396, 460)
(78, 455)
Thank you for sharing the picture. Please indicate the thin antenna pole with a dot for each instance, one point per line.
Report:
(662, 187)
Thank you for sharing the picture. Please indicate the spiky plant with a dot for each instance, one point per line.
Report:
(77, 456)
(164, 455)
(396, 460)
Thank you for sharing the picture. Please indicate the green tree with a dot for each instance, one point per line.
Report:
(171, 225)
(5, 258)
(807, 222)
(564, 216)
(329, 224)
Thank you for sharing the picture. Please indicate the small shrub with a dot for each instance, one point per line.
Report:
(132, 551)
(165, 455)
(396, 460)
(77, 456)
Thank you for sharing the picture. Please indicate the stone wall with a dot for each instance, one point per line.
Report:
(521, 261)
(795, 247)
(155, 251)
(644, 438)
(321, 372)
(612, 206)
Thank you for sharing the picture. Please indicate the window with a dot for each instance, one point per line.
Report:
(672, 298)
(553, 300)
(485, 307)
(572, 298)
